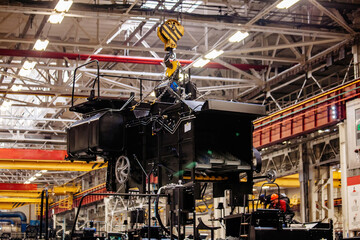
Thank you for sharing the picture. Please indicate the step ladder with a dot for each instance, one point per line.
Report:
(244, 233)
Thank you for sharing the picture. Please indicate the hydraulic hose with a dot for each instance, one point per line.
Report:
(156, 204)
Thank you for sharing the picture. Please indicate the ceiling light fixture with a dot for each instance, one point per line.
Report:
(32, 179)
(27, 182)
(63, 6)
(214, 54)
(6, 105)
(56, 18)
(41, 45)
(238, 36)
(27, 68)
(44, 171)
(24, 72)
(99, 50)
(285, 4)
(38, 174)
(16, 88)
(29, 65)
(201, 62)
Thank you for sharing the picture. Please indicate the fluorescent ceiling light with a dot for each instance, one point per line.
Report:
(41, 45)
(238, 36)
(6, 105)
(201, 62)
(32, 179)
(38, 174)
(285, 4)
(27, 182)
(63, 6)
(56, 18)
(99, 50)
(44, 171)
(29, 65)
(16, 88)
(24, 72)
(214, 54)
(187, 6)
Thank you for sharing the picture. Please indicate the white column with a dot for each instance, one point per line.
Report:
(107, 220)
(356, 54)
(217, 215)
(343, 167)
(312, 194)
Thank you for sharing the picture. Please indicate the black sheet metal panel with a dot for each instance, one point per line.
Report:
(100, 133)
(228, 106)
(273, 227)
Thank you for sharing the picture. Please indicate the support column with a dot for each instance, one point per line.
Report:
(64, 227)
(54, 221)
(304, 182)
(219, 234)
(356, 55)
(107, 220)
(343, 167)
(313, 195)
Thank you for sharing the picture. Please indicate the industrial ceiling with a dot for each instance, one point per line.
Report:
(286, 56)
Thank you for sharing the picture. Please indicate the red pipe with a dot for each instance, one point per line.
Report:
(112, 58)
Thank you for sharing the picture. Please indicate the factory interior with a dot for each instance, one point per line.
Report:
(179, 119)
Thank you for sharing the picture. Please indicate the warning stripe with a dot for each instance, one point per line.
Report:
(102, 164)
(171, 33)
(178, 32)
(166, 34)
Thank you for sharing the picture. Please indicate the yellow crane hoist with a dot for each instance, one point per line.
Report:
(169, 33)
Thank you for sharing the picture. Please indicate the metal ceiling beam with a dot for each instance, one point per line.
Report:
(134, 32)
(293, 70)
(284, 46)
(37, 119)
(296, 79)
(160, 75)
(143, 37)
(258, 81)
(264, 57)
(189, 18)
(130, 73)
(224, 87)
(332, 16)
(262, 13)
(114, 58)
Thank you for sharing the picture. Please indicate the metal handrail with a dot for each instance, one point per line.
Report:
(97, 78)
(110, 194)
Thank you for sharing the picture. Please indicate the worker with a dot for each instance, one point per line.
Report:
(277, 203)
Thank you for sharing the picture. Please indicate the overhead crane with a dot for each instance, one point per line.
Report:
(36, 159)
(292, 181)
(16, 195)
